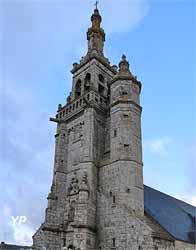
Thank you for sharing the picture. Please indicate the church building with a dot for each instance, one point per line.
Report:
(97, 199)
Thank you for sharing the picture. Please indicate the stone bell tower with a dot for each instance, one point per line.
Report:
(97, 179)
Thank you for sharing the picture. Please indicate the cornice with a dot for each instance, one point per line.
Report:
(107, 65)
(126, 77)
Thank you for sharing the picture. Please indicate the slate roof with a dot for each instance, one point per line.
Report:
(176, 217)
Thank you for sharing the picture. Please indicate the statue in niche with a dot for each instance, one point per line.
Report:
(84, 183)
(74, 185)
(71, 212)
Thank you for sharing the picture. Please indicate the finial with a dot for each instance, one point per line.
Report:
(124, 57)
(96, 18)
(96, 4)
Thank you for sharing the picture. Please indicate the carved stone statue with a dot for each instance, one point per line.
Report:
(74, 186)
(84, 186)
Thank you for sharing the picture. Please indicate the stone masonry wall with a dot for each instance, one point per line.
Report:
(180, 245)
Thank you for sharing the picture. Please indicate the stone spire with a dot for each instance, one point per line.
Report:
(95, 35)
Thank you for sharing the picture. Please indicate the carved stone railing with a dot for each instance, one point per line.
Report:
(78, 105)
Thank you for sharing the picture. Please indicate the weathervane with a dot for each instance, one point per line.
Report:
(96, 4)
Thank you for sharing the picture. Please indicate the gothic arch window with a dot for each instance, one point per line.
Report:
(87, 81)
(101, 78)
(78, 88)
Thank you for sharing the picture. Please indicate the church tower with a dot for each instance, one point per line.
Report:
(96, 196)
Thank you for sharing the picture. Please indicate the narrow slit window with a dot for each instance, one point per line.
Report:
(113, 242)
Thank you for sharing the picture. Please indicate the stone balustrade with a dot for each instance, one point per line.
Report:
(77, 105)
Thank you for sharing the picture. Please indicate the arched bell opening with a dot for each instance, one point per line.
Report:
(87, 81)
(78, 88)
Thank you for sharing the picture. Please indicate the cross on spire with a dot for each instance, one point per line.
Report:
(96, 4)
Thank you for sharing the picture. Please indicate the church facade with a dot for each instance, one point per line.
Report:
(96, 201)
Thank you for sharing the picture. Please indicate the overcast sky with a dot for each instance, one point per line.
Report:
(39, 41)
